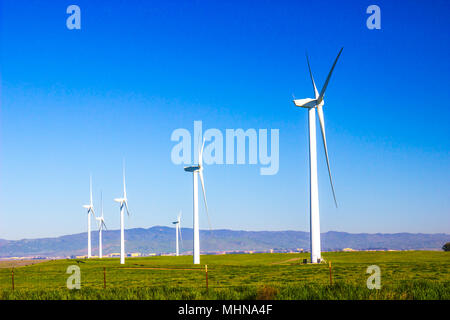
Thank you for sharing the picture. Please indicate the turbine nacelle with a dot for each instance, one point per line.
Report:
(178, 219)
(90, 209)
(308, 103)
(119, 200)
(192, 168)
(101, 223)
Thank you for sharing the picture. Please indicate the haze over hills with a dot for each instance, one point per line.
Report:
(160, 239)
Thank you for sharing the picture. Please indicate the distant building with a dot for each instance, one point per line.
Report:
(348, 249)
(113, 255)
(134, 254)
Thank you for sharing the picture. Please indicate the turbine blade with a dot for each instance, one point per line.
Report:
(204, 196)
(324, 139)
(124, 185)
(126, 206)
(200, 154)
(90, 188)
(316, 93)
(322, 92)
(93, 213)
(197, 148)
(101, 202)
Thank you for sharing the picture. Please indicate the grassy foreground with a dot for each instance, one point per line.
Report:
(404, 275)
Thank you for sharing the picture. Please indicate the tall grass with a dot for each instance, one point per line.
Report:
(417, 290)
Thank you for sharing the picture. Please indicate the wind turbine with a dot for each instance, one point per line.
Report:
(178, 232)
(123, 205)
(90, 210)
(312, 105)
(101, 225)
(198, 170)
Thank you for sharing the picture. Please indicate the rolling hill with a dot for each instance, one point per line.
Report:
(160, 239)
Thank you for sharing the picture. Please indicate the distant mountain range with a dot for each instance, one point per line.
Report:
(160, 239)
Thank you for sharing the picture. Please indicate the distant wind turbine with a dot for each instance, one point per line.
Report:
(123, 205)
(90, 210)
(101, 225)
(177, 224)
(312, 105)
(198, 170)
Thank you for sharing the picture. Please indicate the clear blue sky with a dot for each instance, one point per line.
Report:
(78, 101)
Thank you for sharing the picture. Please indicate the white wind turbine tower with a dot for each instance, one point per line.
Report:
(178, 232)
(123, 205)
(198, 170)
(90, 210)
(101, 225)
(312, 105)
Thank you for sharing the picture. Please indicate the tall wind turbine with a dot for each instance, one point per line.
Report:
(90, 210)
(198, 170)
(178, 232)
(123, 205)
(101, 225)
(312, 105)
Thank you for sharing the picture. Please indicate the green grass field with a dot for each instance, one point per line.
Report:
(404, 275)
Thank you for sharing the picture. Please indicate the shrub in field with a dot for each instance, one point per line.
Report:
(266, 293)
(446, 247)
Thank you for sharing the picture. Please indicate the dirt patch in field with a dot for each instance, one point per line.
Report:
(139, 268)
(286, 261)
(18, 263)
